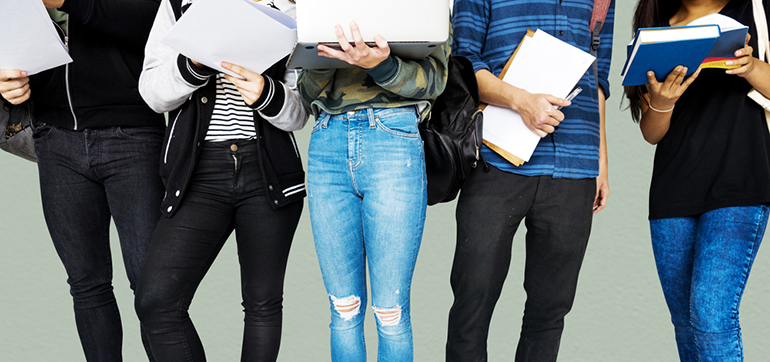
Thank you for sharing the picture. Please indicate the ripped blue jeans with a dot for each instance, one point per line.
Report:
(704, 263)
(367, 199)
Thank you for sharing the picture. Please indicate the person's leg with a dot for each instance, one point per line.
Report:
(126, 161)
(264, 237)
(181, 252)
(490, 208)
(390, 175)
(558, 226)
(78, 218)
(673, 244)
(335, 214)
(728, 241)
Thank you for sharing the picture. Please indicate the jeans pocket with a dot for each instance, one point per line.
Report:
(400, 123)
(322, 121)
(42, 131)
(140, 133)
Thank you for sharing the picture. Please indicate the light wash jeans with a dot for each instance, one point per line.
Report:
(367, 197)
(703, 263)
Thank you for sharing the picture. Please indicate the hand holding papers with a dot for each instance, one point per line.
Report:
(242, 32)
(542, 64)
(30, 41)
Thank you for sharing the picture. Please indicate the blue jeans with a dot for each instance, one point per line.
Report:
(367, 198)
(703, 263)
(87, 177)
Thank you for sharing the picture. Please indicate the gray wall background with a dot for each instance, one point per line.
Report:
(619, 315)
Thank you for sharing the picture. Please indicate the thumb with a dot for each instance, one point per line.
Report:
(7, 74)
(557, 101)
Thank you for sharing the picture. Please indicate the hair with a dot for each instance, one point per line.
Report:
(649, 13)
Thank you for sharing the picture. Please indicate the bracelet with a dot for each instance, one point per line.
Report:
(660, 110)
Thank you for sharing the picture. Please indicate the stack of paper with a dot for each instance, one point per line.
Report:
(241, 32)
(542, 64)
(30, 41)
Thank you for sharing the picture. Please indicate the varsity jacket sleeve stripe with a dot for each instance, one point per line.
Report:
(162, 83)
(280, 103)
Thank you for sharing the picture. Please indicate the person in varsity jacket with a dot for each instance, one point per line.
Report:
(229, 162)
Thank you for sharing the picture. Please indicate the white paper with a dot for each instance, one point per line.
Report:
(30, 41)
(241, 32)
(544, 65)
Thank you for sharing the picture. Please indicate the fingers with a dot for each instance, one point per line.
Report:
(676, 77)
(7, 74)
(237, 69)
(361, 47)
(14, 85)
(602, 194)
(744, 63)
(342, 39)
(652, 80)
(18, 96)
(691, 79)
(382, 44)
(556, 101)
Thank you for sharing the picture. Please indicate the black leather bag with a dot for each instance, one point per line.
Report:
(16, 127)
(453, 133)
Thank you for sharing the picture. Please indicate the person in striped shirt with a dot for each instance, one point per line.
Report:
(556, 193)
(229, 163)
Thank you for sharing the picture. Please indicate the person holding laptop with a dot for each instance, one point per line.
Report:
(367, 185)
(229, 163)
(556, 193)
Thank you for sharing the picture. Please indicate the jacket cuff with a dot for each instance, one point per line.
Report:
(384, 71)
(191, 73)
(271, 100)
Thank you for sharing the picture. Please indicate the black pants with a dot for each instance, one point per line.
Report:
(226, 193)
(557, 213)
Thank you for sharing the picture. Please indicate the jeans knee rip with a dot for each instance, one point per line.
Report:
(388, 316)
(347, 307)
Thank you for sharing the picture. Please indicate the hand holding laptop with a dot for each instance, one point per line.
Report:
(360, 54)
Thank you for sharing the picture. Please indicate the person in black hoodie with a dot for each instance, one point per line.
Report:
(229, 163)
(98, 146)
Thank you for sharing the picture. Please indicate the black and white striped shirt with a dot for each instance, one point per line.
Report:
(232, 118)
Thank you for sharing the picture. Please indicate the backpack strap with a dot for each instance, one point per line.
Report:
(601, 7)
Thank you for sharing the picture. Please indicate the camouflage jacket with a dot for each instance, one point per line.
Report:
(393, 83)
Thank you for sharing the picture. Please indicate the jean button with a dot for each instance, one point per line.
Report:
(270, 187)
(275, 201)
(204, 100)
(233, 147)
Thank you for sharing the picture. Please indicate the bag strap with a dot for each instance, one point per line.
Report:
(760, 20)
(598, 16)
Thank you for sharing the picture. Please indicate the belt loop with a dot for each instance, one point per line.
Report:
(370, 114)
(324, 119)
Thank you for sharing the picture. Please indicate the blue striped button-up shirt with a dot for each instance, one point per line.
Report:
(488, 31)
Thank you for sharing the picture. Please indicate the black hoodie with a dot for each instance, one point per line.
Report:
(99, 88)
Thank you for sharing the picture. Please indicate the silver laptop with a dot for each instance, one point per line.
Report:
(413, 28)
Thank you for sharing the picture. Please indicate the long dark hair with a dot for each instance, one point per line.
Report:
(649, 13)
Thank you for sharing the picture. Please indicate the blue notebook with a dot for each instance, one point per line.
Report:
(663, 49)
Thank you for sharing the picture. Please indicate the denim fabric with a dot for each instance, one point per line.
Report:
(367, 197)
(703, 263)
(86, 178)
(558, 215)
(226, 193)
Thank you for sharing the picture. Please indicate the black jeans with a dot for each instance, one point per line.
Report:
(558, 214)
(226, 193)
(86, 177)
